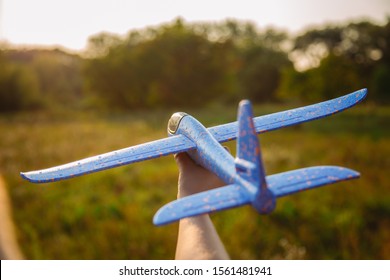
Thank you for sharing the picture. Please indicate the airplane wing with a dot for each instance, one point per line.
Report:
(158, 148)
(205, 202)
(290, 182)
(228, 132)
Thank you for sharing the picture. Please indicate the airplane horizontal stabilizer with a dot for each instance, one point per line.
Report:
(205, 202)
(290, 182)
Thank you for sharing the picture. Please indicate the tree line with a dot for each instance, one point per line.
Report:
(183, 64)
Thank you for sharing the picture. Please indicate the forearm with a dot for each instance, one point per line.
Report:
(198, 240)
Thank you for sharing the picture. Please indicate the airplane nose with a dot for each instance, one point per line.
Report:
(174, 121)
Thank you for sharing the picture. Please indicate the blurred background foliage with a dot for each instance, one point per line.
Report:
(57, 107)
(180, 63)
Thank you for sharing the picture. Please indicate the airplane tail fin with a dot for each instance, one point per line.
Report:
(248, 159)
(249, 165)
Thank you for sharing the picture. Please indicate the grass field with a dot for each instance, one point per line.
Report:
(108, 215)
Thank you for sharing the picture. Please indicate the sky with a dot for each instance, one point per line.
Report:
(69, 23)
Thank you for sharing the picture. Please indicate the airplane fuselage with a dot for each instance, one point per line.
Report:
(208, 153)
(211, 155)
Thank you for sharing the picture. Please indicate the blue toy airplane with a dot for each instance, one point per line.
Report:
(244, 175)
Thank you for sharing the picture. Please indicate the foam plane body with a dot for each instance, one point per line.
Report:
(244, 175)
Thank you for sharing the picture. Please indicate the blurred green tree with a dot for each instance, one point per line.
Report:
(179, 64)
(18, 87)
(259, 56)
(55, 76)
(380, 83)
(170, 65)
(340, 59)
(335, 76)
(261, 71)
(59, 76)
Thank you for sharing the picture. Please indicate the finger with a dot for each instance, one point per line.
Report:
(184, 161)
